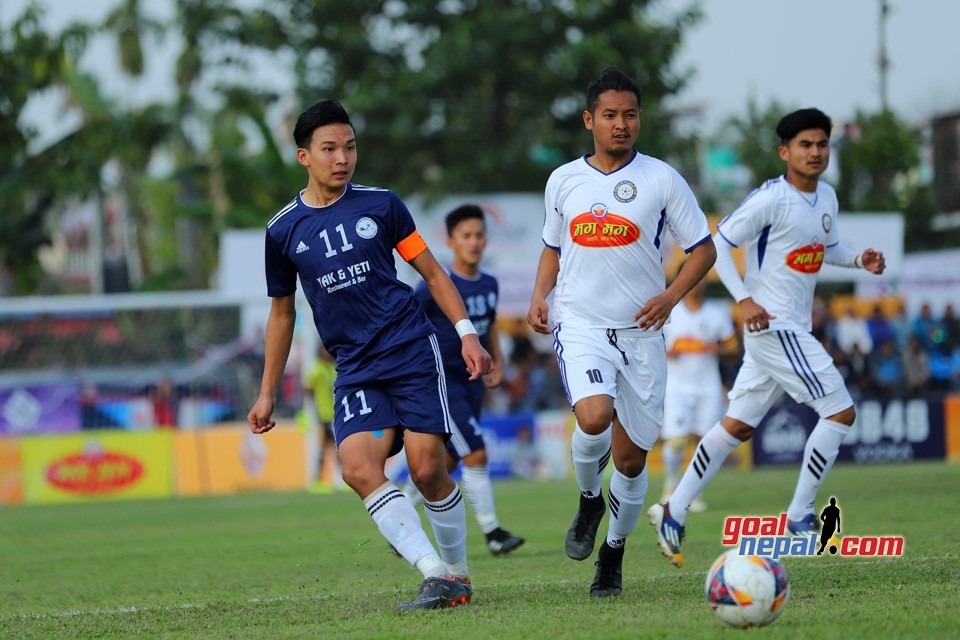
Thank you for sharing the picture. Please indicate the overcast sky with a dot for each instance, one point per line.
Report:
(801, 52)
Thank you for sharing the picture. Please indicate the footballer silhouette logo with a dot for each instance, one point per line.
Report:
(830, 517)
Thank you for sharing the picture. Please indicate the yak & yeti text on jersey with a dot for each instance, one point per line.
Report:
(341, 279)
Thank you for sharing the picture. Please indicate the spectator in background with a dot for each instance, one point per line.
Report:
(902, 327)
(852, 332)
(859, 374)
(916, 367)
(951, 327)
(525, 459)
(886, 369)
(552, 393)
(524, 379)
(880, 327)
(925, 328)
(164, 399)
(822, 325)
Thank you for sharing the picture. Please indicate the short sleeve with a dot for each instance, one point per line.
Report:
(553, 219)
(686, 219)
(280, 270)
(749, 219)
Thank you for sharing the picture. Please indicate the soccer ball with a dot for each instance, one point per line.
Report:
(747, 591)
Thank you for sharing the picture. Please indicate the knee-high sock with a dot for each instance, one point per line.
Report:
(626, 504)
(479, 490)
(449, 520)
(707, 460)
(672, 459)
(821, 451)
(590, 456)
(400, 525)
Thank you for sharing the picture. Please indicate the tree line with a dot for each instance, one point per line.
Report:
(448, 97)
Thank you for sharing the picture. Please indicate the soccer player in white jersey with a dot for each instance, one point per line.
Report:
(606, 214)
(698, 333)
(338, 238)
(789, 226)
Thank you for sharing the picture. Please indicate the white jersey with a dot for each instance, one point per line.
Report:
(609, 231)
(689, 333)
(786, 233)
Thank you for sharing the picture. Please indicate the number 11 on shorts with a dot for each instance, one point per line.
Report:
(364, 409)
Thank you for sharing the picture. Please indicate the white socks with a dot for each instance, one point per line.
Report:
(449, 520)
(479, 490)
(672, 452)
(626, 503)
(590, 456)
(400, 525)
(821, 451)
(713, 449)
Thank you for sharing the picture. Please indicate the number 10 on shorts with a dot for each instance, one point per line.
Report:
(594, 376)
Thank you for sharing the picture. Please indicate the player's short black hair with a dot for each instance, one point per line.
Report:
(612, 79)
(793, 123)
(461, 213)
(315, 116)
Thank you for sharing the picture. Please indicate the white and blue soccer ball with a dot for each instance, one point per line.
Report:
(747, 591)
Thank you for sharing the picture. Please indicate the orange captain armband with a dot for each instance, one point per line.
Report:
(411, 246)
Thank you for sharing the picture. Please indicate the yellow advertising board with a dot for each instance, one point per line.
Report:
(225, 460)
(105, 465)
(11, 471)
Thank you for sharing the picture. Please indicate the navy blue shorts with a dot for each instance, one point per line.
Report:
(466, 400)
(404, 388)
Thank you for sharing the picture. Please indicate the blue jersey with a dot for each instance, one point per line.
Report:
(343, 253)
(480, 298)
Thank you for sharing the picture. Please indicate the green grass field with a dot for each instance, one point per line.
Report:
(305, 566)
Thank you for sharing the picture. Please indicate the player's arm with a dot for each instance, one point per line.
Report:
(655, 312)
(547, 271)
(495, 377)
(445, 294)
(843, 256)
(279, 336)
(754, 316)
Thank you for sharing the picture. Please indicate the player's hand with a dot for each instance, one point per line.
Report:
(655, 313)
(537, 316)
(755, 317)
(493, 379)
(259, 416)
(873, 261)
(478, 360)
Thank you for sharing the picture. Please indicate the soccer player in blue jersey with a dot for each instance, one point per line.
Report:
(339, 238)
(467, 238)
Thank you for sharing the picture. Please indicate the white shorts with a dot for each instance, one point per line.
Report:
(785, 360)
(691, 411)
(590, 365)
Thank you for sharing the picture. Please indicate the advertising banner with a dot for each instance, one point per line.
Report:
(100, 466)
(885, 431)
(225, 460)
(39, 408)
(11, 472)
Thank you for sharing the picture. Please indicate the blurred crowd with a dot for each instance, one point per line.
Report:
(883, 352)
(893, 355)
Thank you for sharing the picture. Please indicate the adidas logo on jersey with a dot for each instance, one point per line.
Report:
(302, 247)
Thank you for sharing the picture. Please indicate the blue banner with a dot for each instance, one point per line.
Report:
(885, 431)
